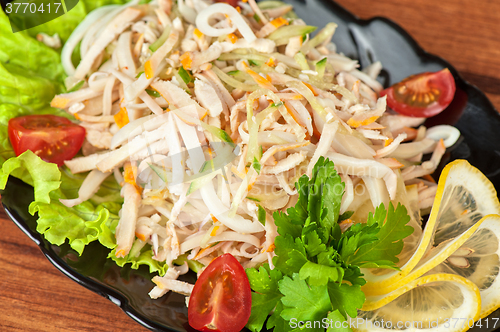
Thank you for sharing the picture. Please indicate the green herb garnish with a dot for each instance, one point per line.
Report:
(317, 267)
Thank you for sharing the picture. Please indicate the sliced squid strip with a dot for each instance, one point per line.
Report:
(88, 188)
(228, 235)
(125, 231)
(410, 150)
(365, 167)
(112, 30)
(125, 57)
(385, 151)
(239, 23)
(286, 164)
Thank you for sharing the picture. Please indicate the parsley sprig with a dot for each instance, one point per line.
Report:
(317, 267)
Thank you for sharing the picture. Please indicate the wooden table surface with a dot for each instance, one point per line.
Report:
(35, 296)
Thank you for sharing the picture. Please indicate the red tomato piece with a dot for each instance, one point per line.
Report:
(233, 3)
(221, 299)
(422, 95)
(53, 138)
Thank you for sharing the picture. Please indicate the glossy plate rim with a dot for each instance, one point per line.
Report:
(120, 299)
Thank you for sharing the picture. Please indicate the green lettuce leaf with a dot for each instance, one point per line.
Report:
(79, 225)
(31, 74)
(302, 301)
(264, 282)
(145, 257)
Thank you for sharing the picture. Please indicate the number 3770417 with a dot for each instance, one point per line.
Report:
(26, 7)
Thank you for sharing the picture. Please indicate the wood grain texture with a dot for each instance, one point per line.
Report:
(35, 296)
(464, 32)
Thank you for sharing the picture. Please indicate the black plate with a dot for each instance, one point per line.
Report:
(377, 39)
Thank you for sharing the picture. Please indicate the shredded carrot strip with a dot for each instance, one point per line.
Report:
(388, 141)
(261, 81)
(140, 236)
(428, 177)
(199, 253)
(291, 114)
(148, 70)
(345, 221)
(232, 38)
(354, 123)
(121, 118)
(271, 248)
(214, 231)
(271, 62)
(238, 174)
(310, 87)
(59, 102)
(120, 253)
(130, 174)
(278, 22)
(198, 33)
(186, 60)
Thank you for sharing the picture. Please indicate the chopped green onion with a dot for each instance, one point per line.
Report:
(283, 34)
(77, 86)
(301, 61)
(256, 165)
(193, 265)
(256, 18)
(253, 62)
(345, 215)
(139, 75)
(272, 4)
(186, 76)
(231, 81)
(217, 132)
(261, 215)
(324, 35)
(249, 56)
(181, 81)
(320, 67)
(162, 174)
(253, 199)
(153, 93)
(160, 41)
(233, 72)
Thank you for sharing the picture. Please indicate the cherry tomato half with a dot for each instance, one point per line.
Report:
(53, 138)
(422, 95)
(221, 299)
(233, 3)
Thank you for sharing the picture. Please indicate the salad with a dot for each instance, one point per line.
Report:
(233, 141)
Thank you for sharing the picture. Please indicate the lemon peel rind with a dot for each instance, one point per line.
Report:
(448, 250)
(370, 305)
(490, 297)
(376, 283)
(469, 290)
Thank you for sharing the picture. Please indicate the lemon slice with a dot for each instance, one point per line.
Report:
(441, 302)
(464, 196)
(478, 260)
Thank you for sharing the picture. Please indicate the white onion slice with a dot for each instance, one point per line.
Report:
(204, 16)
(77, 35)
(89, 187)
(449, 134)
(187, 12)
